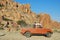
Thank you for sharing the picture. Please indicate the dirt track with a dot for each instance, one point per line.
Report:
(18, 36)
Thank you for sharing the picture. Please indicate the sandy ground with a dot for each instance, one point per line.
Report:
(18, 36)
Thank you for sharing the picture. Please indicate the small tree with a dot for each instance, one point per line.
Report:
(22, 23)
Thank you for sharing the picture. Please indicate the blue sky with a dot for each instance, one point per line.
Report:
(51, 7)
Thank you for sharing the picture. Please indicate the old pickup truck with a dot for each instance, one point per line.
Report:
(28, 32)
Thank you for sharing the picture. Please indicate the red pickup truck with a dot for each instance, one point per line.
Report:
(28, 32)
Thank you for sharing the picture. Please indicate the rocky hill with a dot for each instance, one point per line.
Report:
(16, 11)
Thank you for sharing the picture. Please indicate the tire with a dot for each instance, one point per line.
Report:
(48, 34)
(27, 34)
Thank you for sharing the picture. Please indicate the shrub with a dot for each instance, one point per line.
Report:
(22, 23)
(56, 30)
(1, 28)
(1, 5)
(6, 19)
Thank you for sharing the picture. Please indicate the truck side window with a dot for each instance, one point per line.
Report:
(40, 26)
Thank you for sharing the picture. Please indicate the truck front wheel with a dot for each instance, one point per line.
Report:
(27, 34)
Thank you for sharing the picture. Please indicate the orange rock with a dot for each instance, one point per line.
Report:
(44, 19)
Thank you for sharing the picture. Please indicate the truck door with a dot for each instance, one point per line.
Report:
(38, 30)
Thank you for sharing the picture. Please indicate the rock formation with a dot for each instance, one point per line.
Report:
(15, 11)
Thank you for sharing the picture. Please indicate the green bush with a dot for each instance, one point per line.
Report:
(56, 30)
(1, 28)
(22, 23)
(1, 5)
(6, 19)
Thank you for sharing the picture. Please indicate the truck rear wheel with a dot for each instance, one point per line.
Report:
(27, 34)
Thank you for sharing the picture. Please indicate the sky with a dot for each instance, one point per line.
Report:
(51, 7)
